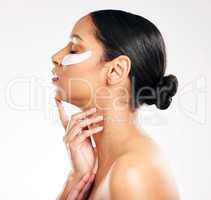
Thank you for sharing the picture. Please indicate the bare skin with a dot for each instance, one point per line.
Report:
(82, 154)
(139, 164)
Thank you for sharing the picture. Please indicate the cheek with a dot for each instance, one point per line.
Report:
(80, 81)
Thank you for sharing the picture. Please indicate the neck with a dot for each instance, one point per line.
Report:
(118, 127)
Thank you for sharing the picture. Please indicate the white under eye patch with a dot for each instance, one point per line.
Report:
(71, 59)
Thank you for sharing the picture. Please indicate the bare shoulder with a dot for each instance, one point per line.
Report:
(141, 174)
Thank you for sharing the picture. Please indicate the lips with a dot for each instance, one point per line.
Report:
(55, 78)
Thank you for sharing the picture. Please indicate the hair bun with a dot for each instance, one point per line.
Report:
(166, 89)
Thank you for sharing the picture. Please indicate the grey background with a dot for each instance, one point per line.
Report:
(33, 159)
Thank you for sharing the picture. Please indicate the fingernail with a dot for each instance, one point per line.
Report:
(93, 109)
(99, 128)
(100, 117)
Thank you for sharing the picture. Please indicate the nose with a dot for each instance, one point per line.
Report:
(55, 60)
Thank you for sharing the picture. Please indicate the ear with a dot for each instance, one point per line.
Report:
(118, 70)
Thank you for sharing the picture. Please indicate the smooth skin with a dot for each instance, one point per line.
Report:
(140, 170)
(82, 154)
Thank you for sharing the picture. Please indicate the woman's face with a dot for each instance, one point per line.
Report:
(78, 82)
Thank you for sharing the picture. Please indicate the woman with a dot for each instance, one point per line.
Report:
(114, 63)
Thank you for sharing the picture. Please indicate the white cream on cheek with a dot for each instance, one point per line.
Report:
(71, 59)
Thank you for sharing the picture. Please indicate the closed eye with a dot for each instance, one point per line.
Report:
(73, 52)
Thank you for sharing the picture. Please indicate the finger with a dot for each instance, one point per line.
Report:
(84, 114)
(85, 134)
(86, 188)
(77, 128)
(95, 165)
(76, 142)
(80, 116)
(74, 192)
(62, 114)
(68, 151)
(72, 195)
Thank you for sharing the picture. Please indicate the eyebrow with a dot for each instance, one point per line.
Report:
(77, 36)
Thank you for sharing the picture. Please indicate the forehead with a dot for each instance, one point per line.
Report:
(83, 31)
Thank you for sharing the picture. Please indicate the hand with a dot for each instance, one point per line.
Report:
(81, 190)
(62, 114)
(82, 153)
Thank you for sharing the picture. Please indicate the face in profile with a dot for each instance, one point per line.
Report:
(77, 82)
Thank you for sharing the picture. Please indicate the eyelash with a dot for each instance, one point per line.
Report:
(73, 52)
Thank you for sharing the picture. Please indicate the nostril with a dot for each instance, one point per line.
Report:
(54, 62)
